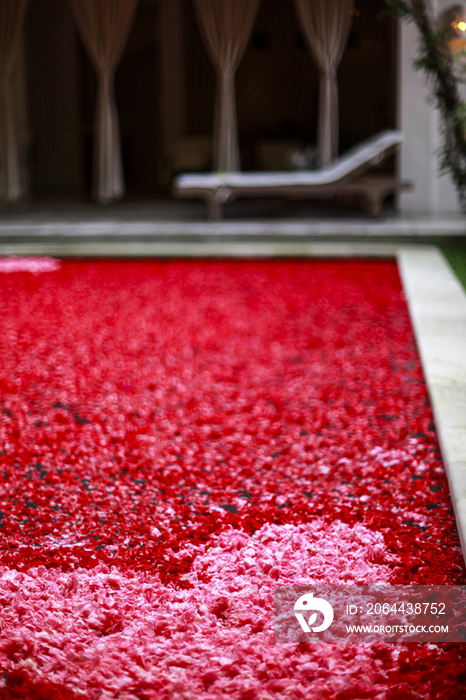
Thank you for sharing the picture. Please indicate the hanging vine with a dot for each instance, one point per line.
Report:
(439, 65)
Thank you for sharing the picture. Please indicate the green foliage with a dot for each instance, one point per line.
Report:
(460, 116)
(398, 7)
(437, 62)
(457, 259)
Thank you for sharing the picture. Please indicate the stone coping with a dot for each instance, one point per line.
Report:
(437, 305)
(197, 249)
(140, 229)
(436, 301)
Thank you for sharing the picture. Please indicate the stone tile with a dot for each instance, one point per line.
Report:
(431, 308)
(457, 480)
(449, 416)
(450, 391)
(454, 443)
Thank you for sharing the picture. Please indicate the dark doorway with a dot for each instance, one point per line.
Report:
(277, 90)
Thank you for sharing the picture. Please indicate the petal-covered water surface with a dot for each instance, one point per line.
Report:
(176, 438)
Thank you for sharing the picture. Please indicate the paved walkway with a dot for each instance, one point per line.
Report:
(176, 223)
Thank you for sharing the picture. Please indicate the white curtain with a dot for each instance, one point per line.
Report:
(104, 27)
(12, 14)
(326, 25)
(226, 26)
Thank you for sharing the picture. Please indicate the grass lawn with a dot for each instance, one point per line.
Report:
(457, 259)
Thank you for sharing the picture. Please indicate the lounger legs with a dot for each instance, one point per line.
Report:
(373, 190)
(374, 204)
(214, 208)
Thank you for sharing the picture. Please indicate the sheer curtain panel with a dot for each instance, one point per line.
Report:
(326, 25)
(12, 14)
(104, 27)
(226, 26)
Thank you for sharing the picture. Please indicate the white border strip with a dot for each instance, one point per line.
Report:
(437, 304)
(198, 249)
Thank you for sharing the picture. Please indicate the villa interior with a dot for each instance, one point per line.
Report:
(165, 93)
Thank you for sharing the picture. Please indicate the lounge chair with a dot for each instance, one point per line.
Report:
(342, 177)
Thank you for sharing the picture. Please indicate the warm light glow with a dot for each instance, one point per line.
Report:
(456, 38)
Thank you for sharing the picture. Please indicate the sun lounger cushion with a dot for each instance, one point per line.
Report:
(216, 188)
(368, 152)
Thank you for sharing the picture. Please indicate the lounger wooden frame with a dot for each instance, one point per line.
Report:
(345, 177)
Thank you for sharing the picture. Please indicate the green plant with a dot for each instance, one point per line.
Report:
(437, 62)
(457, 259)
